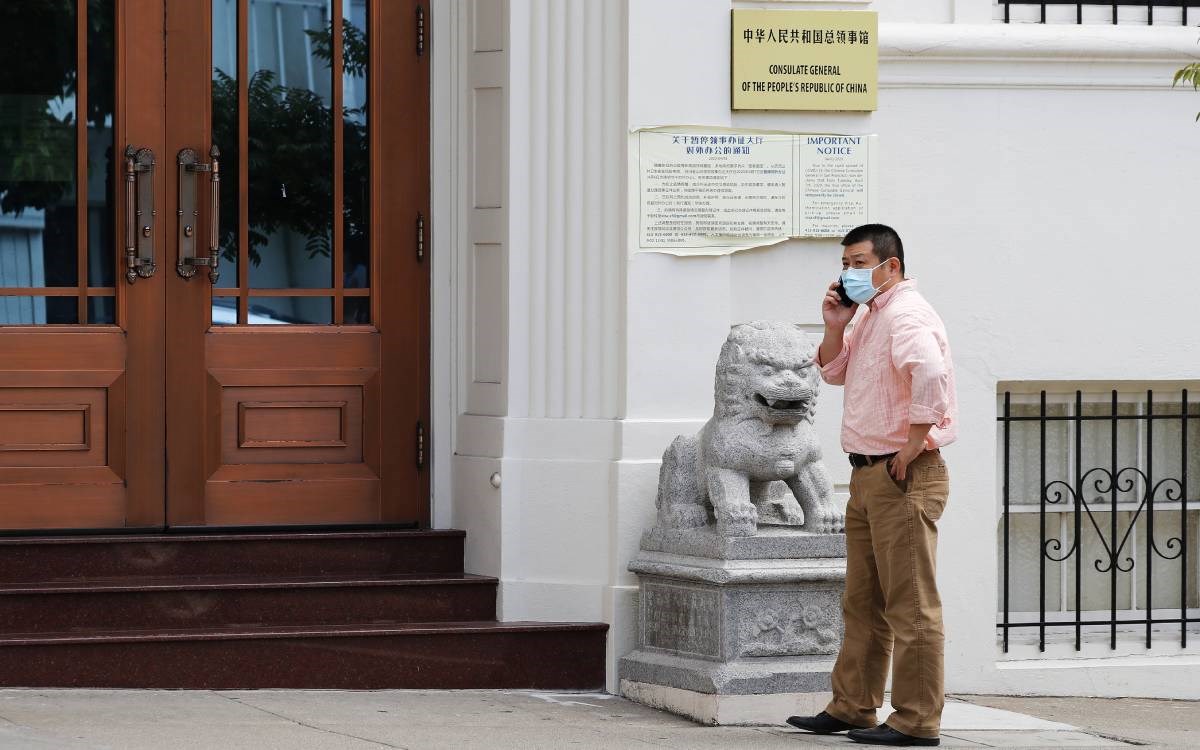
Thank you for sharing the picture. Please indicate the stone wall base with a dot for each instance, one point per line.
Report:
(796, 674)
(726, 710)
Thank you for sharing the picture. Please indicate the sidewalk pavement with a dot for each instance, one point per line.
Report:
(440, 720)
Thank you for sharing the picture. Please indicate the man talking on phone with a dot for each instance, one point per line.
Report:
(899, 411)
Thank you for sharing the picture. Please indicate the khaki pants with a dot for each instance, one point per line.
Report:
(891, 605)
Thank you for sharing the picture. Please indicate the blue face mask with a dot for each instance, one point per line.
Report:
(857, 282)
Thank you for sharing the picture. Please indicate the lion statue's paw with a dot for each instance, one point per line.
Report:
(827, 519)
(839, 521)
(685, 516)
(741, 520)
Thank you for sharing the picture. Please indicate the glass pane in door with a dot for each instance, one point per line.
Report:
(299, 310)
(38, 76)
(301, 232)
(290, 145)
(103, 162)
(224, 113)
(56, 135)
(356, 161)
(225, 131)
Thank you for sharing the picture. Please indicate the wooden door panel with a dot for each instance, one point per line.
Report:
(293, 425)
(53, 427)
(35, 424)
(293, 431)
(295, 497)
(62, 431)
(401, 144)
(141, 100)
(47, 506)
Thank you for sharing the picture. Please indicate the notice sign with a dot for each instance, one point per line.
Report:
(712, 191)
(805, 59)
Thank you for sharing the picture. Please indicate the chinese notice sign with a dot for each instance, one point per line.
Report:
(805, 60)
(713, 191)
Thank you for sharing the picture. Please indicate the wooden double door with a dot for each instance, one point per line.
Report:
(213, 264)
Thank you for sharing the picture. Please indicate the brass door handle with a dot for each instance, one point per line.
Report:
(188, 213)
(139, 214)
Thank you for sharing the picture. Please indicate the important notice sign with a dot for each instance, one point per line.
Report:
(712, 191)
(805, 59)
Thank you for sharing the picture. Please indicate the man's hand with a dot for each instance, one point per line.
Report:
(898, 466)
(836, 315)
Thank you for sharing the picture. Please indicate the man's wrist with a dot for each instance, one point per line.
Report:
(918, 434)
(833, 341)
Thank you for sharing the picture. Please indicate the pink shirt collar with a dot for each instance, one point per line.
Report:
(883, 299)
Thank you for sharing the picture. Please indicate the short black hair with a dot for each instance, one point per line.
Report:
(884, 241)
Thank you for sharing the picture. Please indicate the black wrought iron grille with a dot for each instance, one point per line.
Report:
(1106, 483)
(1116, 7)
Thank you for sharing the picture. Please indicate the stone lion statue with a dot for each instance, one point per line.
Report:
(757, 460)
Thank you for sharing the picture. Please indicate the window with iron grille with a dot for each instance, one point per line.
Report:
(1101, 516)
(1165, 12)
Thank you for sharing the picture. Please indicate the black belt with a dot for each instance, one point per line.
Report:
(859, 461)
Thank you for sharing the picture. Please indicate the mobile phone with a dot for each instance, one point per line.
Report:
(841, 290)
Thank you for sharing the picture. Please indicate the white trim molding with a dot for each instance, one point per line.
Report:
(447, 226)
(914, 55)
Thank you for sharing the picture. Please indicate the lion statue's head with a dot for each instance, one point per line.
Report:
(766, 370)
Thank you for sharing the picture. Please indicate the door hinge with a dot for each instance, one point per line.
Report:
(420, 445)
(420, 30)
(420, 237)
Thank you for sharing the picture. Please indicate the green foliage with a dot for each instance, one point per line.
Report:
(290, 144)
(38, 151)
(37, 75)
(1189, 74)
(291, 156)
(354, 48)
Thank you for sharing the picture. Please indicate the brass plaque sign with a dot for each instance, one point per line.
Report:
(805, 60)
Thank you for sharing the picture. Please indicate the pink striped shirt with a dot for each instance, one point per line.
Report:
(895, 364)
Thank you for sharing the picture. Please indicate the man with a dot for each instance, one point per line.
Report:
(899, 411)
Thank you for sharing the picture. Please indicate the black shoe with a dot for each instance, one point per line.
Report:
(822, 723)
(885, 735)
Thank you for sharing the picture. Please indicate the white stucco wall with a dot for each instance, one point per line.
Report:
(1044, 181)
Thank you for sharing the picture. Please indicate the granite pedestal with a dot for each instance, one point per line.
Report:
(736, 630)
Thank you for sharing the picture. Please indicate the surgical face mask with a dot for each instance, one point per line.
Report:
(857, 282)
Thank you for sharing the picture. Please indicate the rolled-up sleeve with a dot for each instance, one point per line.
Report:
(834, 371)
(918, 353)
